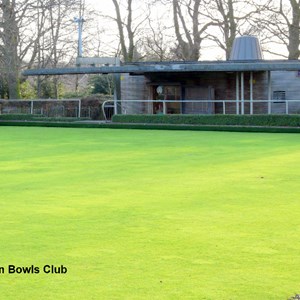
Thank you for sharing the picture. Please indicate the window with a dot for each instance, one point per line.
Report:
(167, 92)
(279, 96)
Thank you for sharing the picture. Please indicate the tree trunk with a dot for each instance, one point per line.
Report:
(189, 48)
(294, 32)
(10, 37)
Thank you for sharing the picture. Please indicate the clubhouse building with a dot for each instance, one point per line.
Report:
(244, 84)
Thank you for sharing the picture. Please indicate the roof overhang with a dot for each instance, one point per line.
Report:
(176, 67)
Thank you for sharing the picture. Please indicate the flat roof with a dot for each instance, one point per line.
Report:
(140, 68)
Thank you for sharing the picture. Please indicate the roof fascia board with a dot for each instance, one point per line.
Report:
(222, 66)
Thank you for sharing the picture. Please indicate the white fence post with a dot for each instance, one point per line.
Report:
(79, 108)
(164, 107)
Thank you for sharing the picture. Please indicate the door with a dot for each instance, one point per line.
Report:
(167, 92)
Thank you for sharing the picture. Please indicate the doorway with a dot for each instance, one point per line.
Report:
(167, 92)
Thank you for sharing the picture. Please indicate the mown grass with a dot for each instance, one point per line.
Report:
(153, 214)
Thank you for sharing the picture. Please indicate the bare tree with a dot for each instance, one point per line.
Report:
(223, 14)
(53, 39)
(190, 28)
(156, 42)
(232, 18)
(129, 28)
(283, 23)
(35, 33)
(126, 51)
(9, 36)
(294, 29)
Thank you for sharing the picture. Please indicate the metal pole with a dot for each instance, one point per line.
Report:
(31, 108)
(115, 98)
(251, 93)
(79, 21)
(237, 84)
(269, 92)
(79, 108)
(224, 110)
(80, 38)
(164, 107)
(242, 93)
(117, 87)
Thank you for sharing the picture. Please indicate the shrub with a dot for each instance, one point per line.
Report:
(240, 120)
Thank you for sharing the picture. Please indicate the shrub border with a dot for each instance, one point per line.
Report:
(229, 128)
(237, 120)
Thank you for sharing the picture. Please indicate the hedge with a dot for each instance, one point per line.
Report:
(269, 129)
(241, 120)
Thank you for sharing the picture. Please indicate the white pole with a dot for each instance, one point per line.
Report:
(79, 21)
(242, 93)
(269, 92)
(115, 101)
(117, 83)
(251, 93)
(79, 108)
(237, 84)
(164, 107)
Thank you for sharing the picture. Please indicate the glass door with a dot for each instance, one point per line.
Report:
(167, 92)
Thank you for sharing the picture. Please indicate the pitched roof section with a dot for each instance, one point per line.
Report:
(246, 48)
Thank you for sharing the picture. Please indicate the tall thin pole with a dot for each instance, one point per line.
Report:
(269, 92)
(79, 108)
(251, 93)
(79, 21)
(80, 26)
(117, 87)
(242, 93)
(237, 84)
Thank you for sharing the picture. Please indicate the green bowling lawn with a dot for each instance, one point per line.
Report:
(132, 214)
